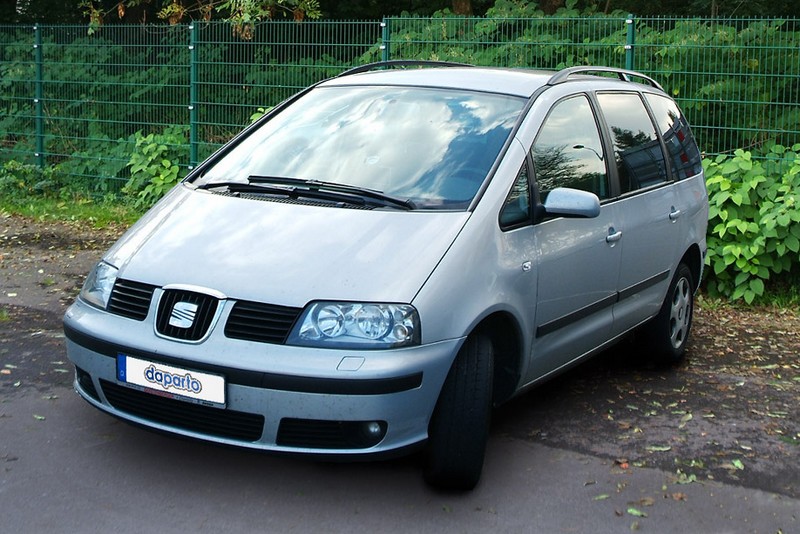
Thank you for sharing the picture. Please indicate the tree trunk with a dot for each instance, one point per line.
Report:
(462, 7)
(551, 6)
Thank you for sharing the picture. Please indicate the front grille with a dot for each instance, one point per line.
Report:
(198, 321)
(316, 434)
(131, 299)
(264, 323)
(185, 415)
(250, 321)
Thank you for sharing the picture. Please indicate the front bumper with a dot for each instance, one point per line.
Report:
(279, 398)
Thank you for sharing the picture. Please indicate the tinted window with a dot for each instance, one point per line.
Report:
(568, 151)
(683, 152)
(517, 209)
(432, 146)
(637, 151)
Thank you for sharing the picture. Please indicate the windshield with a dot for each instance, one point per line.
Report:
(431, 146)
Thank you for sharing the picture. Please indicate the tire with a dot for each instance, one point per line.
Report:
(459, 428)
(667, 334)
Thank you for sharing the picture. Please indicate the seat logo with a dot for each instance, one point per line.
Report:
(183, 314)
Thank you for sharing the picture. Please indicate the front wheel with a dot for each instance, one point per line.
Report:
(668, 333)
(459, 427)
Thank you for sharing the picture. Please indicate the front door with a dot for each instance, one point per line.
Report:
(577, 260)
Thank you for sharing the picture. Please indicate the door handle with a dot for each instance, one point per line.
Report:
(674, 214)
(613, 235)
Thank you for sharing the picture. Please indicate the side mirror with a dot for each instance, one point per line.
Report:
(566, 202)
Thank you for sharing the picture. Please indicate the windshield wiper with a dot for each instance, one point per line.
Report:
(324, 187)
(292, 192)
(295, 188)
(244, 187)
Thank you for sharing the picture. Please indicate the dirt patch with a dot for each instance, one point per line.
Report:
(43, 264)
(729, 413)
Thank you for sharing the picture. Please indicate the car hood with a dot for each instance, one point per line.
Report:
(286, 254)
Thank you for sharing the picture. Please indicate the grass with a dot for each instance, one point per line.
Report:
(45, 195)
(783, 292)
(775, 299)
(99, 213)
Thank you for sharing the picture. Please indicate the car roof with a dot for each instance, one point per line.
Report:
(512, 81)
(516, 82)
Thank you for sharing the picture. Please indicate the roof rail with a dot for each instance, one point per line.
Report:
(395, 63)
(623, 74)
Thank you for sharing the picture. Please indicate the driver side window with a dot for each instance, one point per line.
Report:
(568, 151)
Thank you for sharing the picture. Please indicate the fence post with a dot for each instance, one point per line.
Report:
(192, 96)
(631, 40)
(38, 96)
(385, 39)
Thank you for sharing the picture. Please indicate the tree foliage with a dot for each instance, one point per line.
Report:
(150, 11)
(239, 12)
(247, 11)
(110, 11)
(44, 11)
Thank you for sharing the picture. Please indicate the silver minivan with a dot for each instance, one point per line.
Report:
(374, 264)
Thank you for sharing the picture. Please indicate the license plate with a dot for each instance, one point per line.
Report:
(172, 382)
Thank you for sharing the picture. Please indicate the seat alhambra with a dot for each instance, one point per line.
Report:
(378, 261)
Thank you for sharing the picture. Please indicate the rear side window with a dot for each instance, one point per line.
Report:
(568, 151)
(637, 150)
(681, 146)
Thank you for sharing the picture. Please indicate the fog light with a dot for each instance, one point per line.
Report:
(372, 432)
(373, 429)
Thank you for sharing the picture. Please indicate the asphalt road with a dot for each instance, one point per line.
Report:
(65, 467)
(609, 447)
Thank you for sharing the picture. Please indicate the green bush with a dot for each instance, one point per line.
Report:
(22, 183)
(754, 220)
(152, 162)
(97, 166)
(20, 180)
(154, 168)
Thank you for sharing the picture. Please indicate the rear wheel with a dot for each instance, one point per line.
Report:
(667, 334)
(459, 428)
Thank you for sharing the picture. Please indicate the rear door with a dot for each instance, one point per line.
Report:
(649, 210)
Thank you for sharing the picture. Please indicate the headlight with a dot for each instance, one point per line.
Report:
(97, 288)
(355, 325)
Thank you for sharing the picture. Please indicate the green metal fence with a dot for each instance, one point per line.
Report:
(77, 101)
(233, 77)
(737, 80)
(81, 102)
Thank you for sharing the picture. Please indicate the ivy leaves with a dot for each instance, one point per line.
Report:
(754, 219)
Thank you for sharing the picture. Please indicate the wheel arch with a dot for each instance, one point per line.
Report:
(694, 260)
(504, 333)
